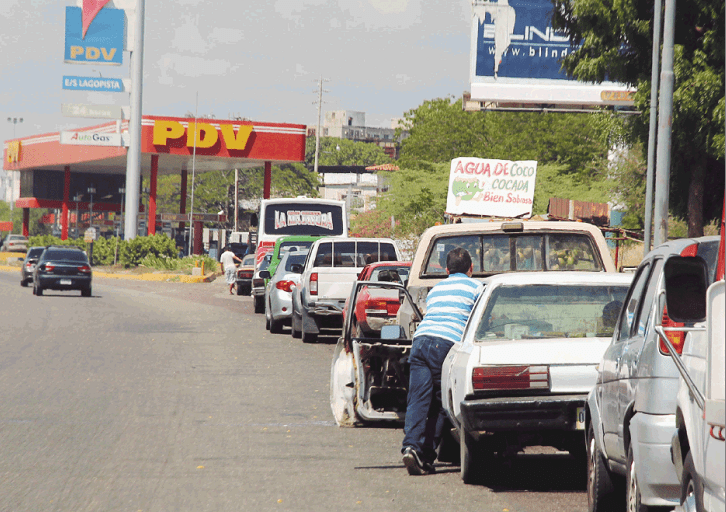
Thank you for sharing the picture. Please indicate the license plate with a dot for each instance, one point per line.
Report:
(580, 420)
(66, 282)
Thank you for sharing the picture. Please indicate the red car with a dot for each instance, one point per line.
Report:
(376, 307)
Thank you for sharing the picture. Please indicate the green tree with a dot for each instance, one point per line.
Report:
(334, 151)
(439, 131)
(617, 45)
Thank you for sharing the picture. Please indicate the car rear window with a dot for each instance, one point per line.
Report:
(353, 253)
(66, 255)
(498, 253)
(35, 252)
(293, 259)
(536, 311)
(390, 274)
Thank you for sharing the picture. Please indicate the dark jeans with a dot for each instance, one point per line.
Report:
(424, 415)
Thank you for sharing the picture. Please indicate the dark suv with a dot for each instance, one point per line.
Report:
(62, 268)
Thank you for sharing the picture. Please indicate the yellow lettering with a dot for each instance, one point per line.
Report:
(240, 140)
(205, 134)
(76, 51)
(92, 53)
(108, 55)
(13, 154)
(165, 130)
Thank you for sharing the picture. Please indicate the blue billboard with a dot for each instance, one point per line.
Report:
(515, 39)
(103, 42)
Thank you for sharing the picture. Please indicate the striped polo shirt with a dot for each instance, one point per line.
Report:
(448, 306)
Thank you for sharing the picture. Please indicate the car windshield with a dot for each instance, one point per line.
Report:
(550, 311)
(497, 253)
(66, 255)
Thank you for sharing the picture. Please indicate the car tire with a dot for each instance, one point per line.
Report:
(259, 304)
(600, 488)
(691, 487)
(471, 455)
(24, 283)
(632, 489)
(38, 291)
(343, 387)
(276, 326)
(86, 292)
(239, 289)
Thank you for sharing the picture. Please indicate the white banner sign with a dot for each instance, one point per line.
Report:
(496, 188)
(90, 139)
(97, 111)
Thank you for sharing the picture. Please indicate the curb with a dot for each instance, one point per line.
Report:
(182, 278)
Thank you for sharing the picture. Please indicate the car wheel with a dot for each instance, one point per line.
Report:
(276, 326)
(691, 487)
(86, 292)
(259, 304)
(239, 289)
(342, 387)
(38, 291)
(632, 489)
(472, 463)
(600, 489)
(24, 283)
(307, 337)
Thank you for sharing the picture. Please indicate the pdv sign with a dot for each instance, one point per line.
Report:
(103, 41)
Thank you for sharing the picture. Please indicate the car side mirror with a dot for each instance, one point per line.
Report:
(264, 274)
(686, 282)
(392, 332)
(296, 268)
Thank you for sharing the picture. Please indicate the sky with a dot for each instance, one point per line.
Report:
(257, 60)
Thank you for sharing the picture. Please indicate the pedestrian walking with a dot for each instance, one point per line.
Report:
(448, 306)
(227, 265)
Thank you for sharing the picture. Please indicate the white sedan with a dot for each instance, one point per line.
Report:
(527, 361)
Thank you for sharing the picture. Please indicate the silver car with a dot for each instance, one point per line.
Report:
(278, 294)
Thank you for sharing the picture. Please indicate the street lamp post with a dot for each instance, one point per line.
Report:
(91, 191)
(77, 198)
(15, 121)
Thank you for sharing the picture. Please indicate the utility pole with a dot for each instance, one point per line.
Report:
(665, 113)
(317, 131)
(236, 198)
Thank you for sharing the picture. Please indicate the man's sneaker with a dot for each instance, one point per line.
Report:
(414, 464)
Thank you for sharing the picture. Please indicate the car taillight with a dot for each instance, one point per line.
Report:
(85, 269)
(511, 377)
(28, 265)
(285, 286)
(314, 283)
(677, 338)
(242, 274)
(690, 252)
(49, 267)
(381, 307)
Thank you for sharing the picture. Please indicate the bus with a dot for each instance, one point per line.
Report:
(298, 216)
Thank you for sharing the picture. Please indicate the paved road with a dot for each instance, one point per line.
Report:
(173, 397)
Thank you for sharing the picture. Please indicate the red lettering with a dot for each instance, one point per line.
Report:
(487, 171)
(459, 167)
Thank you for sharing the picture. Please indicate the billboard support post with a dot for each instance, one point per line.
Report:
(133, 156)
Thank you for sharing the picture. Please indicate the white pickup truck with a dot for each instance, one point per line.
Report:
(331, 268)
(697, 446)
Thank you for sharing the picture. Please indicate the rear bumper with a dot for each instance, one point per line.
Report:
(651, 436)
(552, 412)
(59, 282)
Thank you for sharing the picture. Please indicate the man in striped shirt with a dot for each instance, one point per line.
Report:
(448, 306)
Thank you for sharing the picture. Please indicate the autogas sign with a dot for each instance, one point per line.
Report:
(90, 139)
(103, 41)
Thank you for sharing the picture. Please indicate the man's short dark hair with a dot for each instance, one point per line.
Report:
(458, 261)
